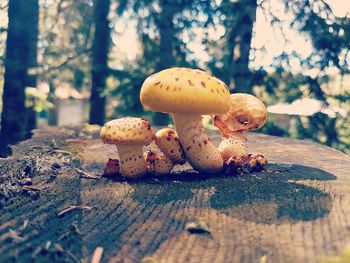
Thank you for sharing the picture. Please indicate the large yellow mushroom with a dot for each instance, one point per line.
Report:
(188, 94)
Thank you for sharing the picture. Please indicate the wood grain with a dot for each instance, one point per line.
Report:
(296, 210)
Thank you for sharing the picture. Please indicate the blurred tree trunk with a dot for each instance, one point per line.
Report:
(240, 37)
(99, 69)
(166, 45)
(167, 34)
(20, 41)
(33, 20)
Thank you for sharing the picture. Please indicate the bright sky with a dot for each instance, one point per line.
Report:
(265, 35)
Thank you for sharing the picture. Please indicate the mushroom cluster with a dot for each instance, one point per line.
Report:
(187, 94)
(130, 135)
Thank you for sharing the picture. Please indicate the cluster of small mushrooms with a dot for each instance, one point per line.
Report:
(187, 94)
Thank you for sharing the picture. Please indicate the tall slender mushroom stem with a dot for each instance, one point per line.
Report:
(201, 153)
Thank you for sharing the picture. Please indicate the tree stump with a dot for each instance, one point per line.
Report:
(55, 206)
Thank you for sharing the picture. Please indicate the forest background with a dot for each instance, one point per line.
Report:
(293, 55)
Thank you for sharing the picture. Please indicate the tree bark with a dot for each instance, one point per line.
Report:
(20, 45)
(33, 20)
(167, 34)
(295, 210)
(166, 46)
(240, 37)
(99, 67)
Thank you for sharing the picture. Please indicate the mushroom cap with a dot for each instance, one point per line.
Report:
(185, 90)
(168, 141)
(247, 112)
(127, 131)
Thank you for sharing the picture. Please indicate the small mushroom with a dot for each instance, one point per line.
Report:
(158, 163)
(130, 135)
(171, 153)
(168, 142)
(188, 94)
(246, 113)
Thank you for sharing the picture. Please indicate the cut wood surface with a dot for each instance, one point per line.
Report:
(296, 210)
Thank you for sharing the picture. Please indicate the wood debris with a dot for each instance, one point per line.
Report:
(59, 248)
(36, 251)
(73, 229)
(197, 227)
(152, 259)
(39, 147)
(25, 181)
(74, 207)
(62, 151)
(13, 235)
(47, 245)
(31, 188)
(25, 224)
(54, 144)
(86, 175)
(74, 140)
(96, 257)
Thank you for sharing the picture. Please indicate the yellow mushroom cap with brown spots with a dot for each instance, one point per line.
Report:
(247, 112)
(185, 90)
(168, 142)
(127, 131)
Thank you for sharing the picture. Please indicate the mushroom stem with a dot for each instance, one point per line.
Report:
(201, 153)
(234, 144)
(132, 163)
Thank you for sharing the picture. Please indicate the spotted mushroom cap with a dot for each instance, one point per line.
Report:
(168, 141)
(185, 90)
(127, 131)
(246, 113)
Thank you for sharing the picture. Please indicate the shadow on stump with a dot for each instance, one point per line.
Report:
(271, 196)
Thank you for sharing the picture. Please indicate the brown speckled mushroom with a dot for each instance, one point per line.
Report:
(161, 163)
(130, 135)
(158, 163)
(188, 94)
(168, 142)
(246, 113)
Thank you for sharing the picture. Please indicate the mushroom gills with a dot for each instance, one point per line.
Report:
(200, 152)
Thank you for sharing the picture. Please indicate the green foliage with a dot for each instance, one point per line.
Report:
(330, 35)
(37, 100)
(65, 42)
(152, 59)
(272, 129)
